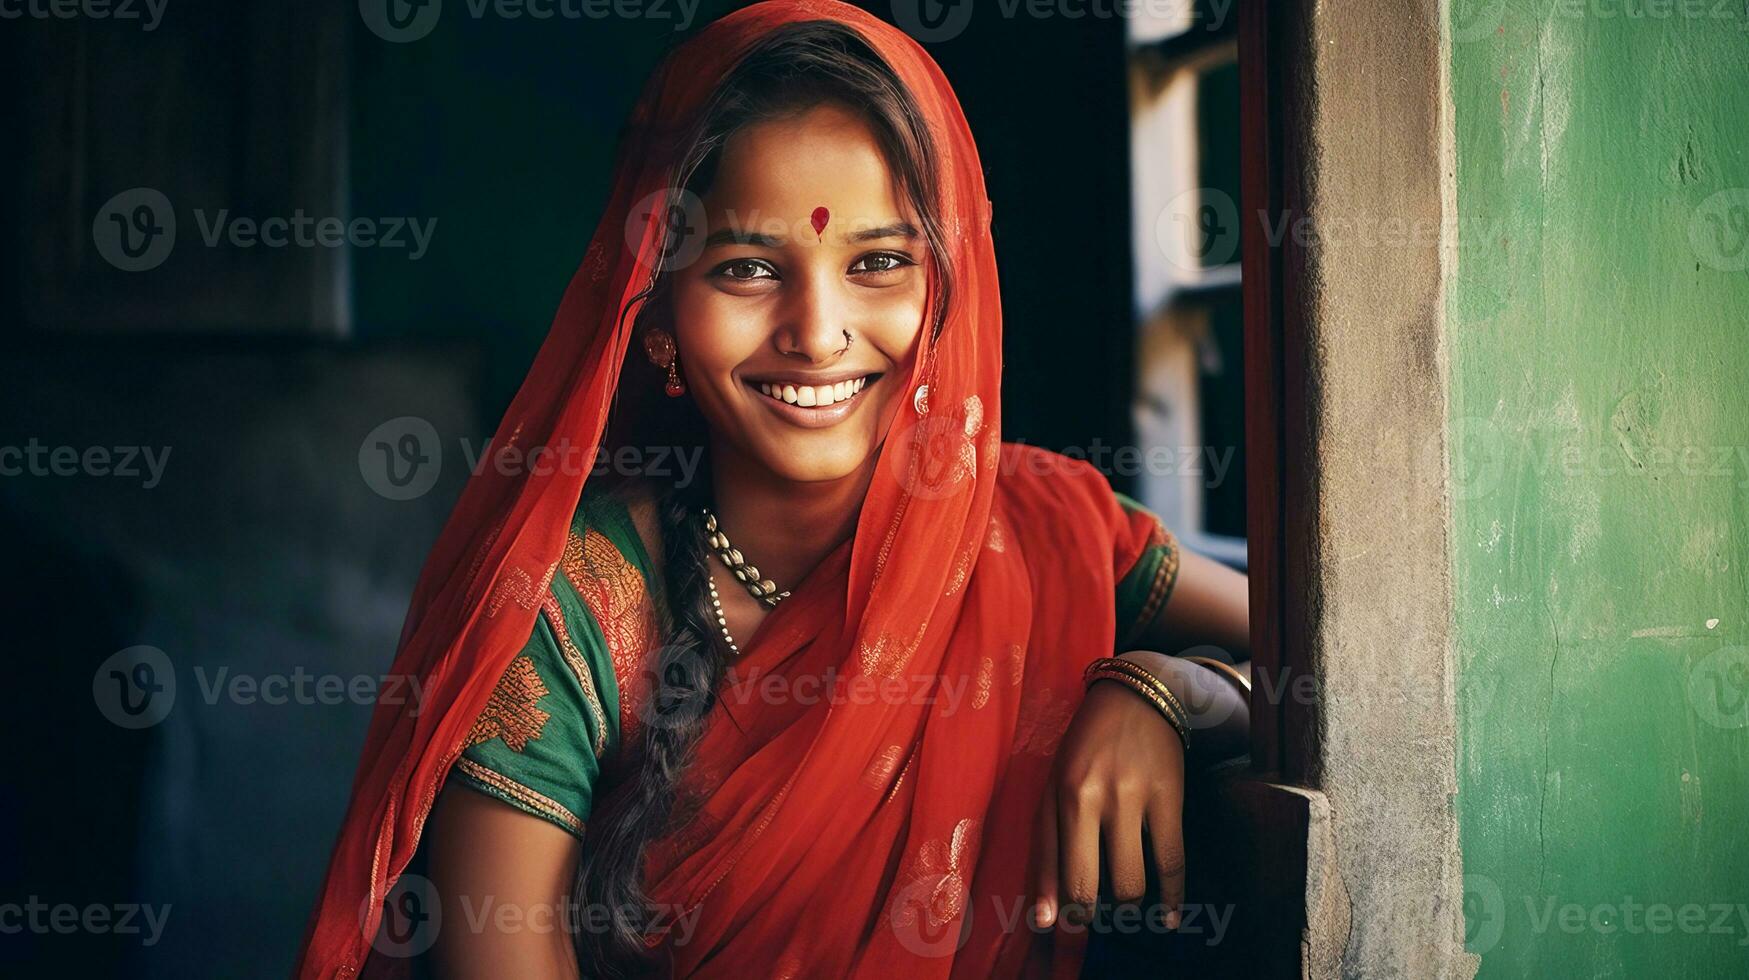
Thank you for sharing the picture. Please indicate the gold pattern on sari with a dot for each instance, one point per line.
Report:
(888, 654)
(519, 587)
(986, 675)
(881, 767)
(961, 569)
(512, 713)
(1016, 664)
(935, 887)
(942, 451)
(994, 540)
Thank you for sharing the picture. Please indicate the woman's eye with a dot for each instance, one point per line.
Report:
(880, 262)
(746, 270)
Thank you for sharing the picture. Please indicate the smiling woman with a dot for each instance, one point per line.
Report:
(588, 752)
(785, 339)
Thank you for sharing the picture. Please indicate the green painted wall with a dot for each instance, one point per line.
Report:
(1599, 345)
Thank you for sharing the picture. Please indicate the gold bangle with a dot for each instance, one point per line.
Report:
(1149, 695)
(1231, 672)
(1146, 676)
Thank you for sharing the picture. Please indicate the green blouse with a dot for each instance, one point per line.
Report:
(556, 714)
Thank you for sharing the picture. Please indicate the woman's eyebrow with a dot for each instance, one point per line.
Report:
(897, 229)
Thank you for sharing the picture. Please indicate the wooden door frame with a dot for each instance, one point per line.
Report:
(1348, 510)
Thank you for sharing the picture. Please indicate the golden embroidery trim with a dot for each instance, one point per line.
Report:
(520, 793)
(580, 669)
(1159, 589)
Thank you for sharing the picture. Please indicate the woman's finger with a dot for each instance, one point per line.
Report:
(1123, 854)
(1166, 839)
(1044, 863)
(1078, 818)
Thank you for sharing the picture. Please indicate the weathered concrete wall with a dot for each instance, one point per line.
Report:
(1599, 345)
(1374, 133)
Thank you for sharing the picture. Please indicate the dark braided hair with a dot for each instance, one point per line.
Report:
(795, 68)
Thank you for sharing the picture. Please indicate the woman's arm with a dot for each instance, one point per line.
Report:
(1210, 606)
(504, 880)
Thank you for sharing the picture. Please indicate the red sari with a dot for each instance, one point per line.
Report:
(875, 834)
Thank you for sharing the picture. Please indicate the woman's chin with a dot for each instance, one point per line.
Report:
(817, 457)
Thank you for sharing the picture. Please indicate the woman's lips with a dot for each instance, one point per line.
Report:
(813, 406)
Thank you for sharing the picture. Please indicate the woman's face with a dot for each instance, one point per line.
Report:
(796, 343)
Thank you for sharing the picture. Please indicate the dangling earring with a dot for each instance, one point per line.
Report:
(659, 347)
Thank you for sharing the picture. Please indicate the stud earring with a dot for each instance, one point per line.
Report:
(659, 348)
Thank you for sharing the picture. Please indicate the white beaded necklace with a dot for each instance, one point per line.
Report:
(757, 586)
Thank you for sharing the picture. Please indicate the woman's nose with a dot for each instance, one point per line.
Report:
(814, 321)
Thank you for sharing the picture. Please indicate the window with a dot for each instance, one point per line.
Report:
(1189, 384)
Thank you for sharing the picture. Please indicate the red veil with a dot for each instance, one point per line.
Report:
(881, 832)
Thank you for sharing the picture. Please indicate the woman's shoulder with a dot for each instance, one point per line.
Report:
(1034, 477)
(560, 712)
(1044, 492)
(606, 595)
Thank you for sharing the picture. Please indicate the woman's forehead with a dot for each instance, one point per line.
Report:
(787, 171)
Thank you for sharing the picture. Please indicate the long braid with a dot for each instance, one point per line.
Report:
(685, 672)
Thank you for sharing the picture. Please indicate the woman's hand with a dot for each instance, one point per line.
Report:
(1118, 780)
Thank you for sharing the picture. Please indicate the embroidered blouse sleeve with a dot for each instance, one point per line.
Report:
(539, 742)
(1143, 589)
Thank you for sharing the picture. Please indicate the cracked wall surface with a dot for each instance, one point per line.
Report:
(1599, 353)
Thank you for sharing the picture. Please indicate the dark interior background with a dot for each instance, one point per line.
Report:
(263, 548)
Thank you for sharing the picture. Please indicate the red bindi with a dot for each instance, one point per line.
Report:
(819, 219)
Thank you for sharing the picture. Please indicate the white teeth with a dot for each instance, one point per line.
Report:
(813, 396)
